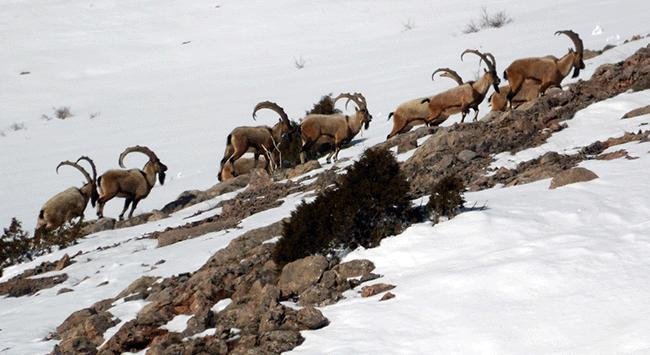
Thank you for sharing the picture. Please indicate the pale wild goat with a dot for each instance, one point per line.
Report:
(461, 98)
(261, 140)
(337, 128)
(70, 203)
(132, 184)
(546, 71)
(414, 112)
(241, 166)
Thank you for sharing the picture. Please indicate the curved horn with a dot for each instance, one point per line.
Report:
(92, 165)
(494, 61)
(78, 167)
(482, 56)
(138, 148)
(577, 42)
(350, 97)
(273, 107)
(449, 74)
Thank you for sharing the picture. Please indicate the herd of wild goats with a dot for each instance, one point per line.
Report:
(528, 78)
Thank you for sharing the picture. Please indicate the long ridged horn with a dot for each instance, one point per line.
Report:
(577, 42)
(482, 56)
(357, 98)
(494, 61)
(273, 107)
(92, 165)
(138, 148)
(78, 167)
(449, 74)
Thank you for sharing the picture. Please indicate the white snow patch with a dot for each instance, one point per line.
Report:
(178, 323)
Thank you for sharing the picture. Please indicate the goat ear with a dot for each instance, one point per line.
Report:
(484, 70)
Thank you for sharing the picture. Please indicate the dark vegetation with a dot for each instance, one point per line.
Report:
(369, 203)
(290, 146)
(446, 198)
(487, 20)
(16, 244)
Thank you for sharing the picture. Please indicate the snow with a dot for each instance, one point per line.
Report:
(178, 323)
(221, 305)
(596, 122)
(538, 271)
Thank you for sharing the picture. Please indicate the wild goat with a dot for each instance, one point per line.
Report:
(70, 203)
(463, 97)
(546, 71)
(414, 112)
(132, 184)
(260, 139)
(239, 167)
(528, 92)
(339, 128)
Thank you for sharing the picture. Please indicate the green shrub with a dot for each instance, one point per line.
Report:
(14, 244)
(369, 203)
(446, 198)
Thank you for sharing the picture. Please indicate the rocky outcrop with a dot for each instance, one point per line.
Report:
(519, 129)
(571, 176)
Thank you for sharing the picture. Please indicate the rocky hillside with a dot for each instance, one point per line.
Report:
(240, 301)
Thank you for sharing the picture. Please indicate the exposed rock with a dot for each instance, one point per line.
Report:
(99, 225)
(622, 153)
(388, 295)
(259, 179)
(354, 268)
(83, 331)
(64, 290)
(571, 176)
(368, 291)
(303, 169)
(131, 337)
(279, 341)
(298, 275)
(311, 318)
(466, 155)
(63, 263)
(637, 112)
(407, 144)
(188, 198)
(140, 285)
(21, 286)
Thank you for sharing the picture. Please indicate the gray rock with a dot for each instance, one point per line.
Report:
(466, 155)
(297, 276)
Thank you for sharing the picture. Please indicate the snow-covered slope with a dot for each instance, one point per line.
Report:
(126, 62)
(539, 271)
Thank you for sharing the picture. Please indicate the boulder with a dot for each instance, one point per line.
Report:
(354, 268)
(571, 176)
(298, 275)
(303, 169)
(407, 144)
(311, 318)
(102, 224)
(368, 291)
(259, 179)
(637, 112)
(466, 155)
(63, 263)
(388, 295)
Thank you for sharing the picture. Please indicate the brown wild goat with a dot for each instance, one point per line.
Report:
(133, 184)
(414, 112)
(528, 92)
(546, 71)
(339, 128)
(461, 98)
(260, 139)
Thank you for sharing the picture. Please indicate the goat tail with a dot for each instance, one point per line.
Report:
(425, 100)
(505, 75)
(390, 115)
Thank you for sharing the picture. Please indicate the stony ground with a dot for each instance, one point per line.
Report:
(241, 302)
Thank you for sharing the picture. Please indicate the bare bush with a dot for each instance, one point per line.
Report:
(62, 112)
(17, 126)
(408, 25)
(299, 63)
(487, 20)
(94, 115)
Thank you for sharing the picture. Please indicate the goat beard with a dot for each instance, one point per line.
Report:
(366, 125)
(161, 178)
(576, 72)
